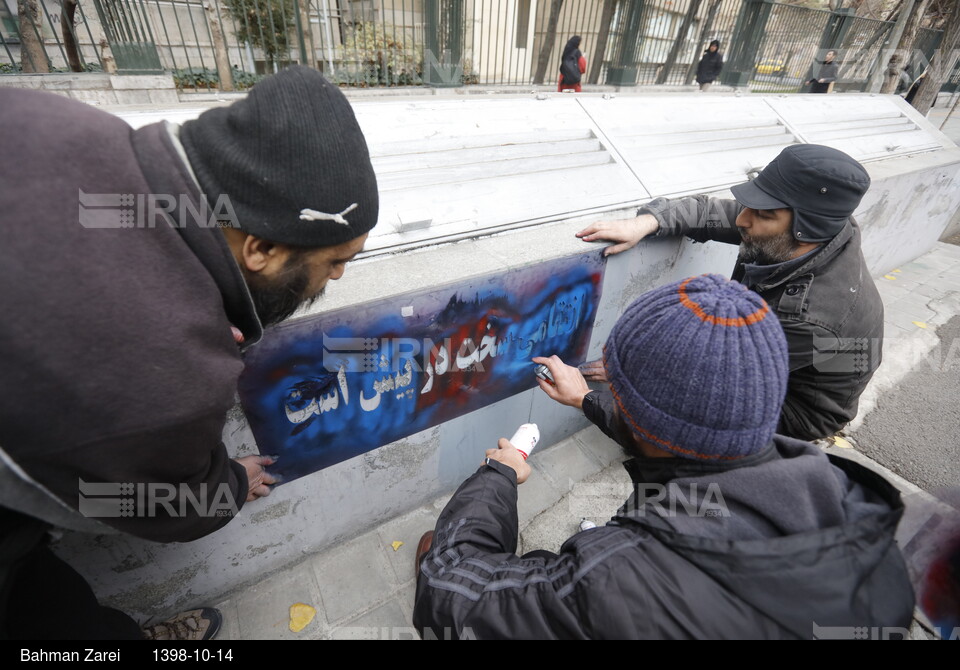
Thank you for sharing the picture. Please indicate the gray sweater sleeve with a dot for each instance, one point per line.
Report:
(701, 218)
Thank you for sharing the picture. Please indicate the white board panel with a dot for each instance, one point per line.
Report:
(683, 144)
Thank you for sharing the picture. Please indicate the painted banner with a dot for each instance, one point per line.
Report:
(322, 389)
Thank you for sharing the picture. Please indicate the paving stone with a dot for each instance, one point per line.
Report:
(907, 311)
(567, 461)
(386, 622)
(535, 495)
(407, 529)
(354, 577)
(600, 446)
(264, 608)
(231, 620)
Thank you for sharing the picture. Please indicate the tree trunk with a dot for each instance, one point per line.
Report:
(310, 57)
(878, 33)
(67, 24)
(944, 60)
(32, 54)
(892, 15)
(220, 56)
(907, 41)
(549, 40)
(678, 42)
(704, 34)
(606, 18)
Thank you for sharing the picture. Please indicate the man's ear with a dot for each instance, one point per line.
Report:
(254, 254)
(261, 256)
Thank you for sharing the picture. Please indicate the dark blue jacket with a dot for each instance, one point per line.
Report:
(785, 544)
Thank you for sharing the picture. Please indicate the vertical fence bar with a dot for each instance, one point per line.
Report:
(86, 25)
(270, 54)
(486, 16)
(399, 40)
(498, 60)
(281, 38)
(183, 40)
(13, 62)
(413, 37)
(509, 46)
(166, 33)
(53, 30)
(196, 37)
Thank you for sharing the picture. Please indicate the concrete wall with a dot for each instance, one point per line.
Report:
(101, 89)
(913, 198)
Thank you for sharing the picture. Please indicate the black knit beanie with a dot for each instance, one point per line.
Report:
(292, 160)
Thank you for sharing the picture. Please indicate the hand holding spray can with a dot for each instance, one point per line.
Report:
(525, 439)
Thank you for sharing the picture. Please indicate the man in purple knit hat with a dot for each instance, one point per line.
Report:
(774, 539)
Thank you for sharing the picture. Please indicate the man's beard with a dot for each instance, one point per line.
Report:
(276, 299)
(768, 250)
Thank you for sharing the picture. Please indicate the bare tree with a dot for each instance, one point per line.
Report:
(67, 23)
(901, 57)
(679, 40)
(606, 18)
(33, 55)
(942, 64)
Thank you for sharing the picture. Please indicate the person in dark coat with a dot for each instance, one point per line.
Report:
(800, 250)
(730, 531)
(824, 73)
(131, 319)
(709, 67)
(572, 66)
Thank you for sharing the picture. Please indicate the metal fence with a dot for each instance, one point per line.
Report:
(791, 42)
(231, 43)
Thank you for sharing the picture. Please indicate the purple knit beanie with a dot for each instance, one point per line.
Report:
(699, 368)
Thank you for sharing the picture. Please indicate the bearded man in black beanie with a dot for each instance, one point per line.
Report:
(800, 250)
(125, 328)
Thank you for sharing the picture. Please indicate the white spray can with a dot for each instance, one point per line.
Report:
(525, 439)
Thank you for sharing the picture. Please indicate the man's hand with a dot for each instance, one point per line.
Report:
(570, 384)
(594, 371)
(507, 454)
(625, 232)
(259, 479)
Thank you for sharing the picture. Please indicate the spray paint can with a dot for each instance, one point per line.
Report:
(525, 439)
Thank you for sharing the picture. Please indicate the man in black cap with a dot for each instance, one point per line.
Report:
(135, 266)
(800, 250)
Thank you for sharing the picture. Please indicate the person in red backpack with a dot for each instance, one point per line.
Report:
(572, 65)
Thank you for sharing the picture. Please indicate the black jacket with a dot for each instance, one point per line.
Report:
(781, 545)
(709, 67)
(826, 71)
(118, 361)
(828, 306)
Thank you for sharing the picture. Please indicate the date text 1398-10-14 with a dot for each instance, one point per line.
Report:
(196, 654)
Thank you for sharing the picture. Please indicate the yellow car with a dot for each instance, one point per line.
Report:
(774, 66)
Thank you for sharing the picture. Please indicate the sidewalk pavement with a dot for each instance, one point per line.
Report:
(937, 116)
(364, 588)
